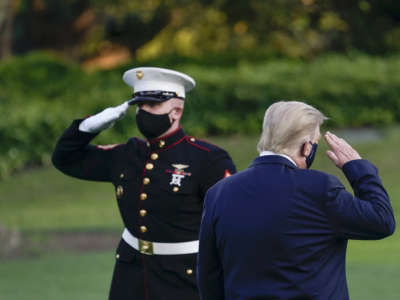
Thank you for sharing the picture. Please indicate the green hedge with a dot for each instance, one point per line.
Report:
(41, 94)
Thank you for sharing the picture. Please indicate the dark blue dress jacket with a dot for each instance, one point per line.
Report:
(275, 231)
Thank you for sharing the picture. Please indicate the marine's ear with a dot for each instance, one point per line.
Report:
(177, 110)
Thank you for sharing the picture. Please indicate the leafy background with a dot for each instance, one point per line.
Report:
(42, 94)
(64, 59)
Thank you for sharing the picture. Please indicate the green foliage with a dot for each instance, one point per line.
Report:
(355, 91)
(301, 28)
(41, 94)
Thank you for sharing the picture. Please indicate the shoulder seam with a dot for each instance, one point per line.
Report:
(195, 145)
(207, 142)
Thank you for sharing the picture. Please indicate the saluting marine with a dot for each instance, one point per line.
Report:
(160, 183)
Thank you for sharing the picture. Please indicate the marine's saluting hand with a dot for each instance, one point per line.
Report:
(104, 119)
(340, 151)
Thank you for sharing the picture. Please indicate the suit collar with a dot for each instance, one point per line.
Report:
(264, 153)
(272, 159)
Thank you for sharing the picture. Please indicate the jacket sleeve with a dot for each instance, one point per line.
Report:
(210, 279)
(219, 165)
(366, 215)
(74, 156)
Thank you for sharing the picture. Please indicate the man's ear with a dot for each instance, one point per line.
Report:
(306, 149)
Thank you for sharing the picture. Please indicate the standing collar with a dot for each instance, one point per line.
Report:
(166, 141)
(266, 153)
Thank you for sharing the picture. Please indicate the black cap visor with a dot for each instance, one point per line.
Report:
(152, 96)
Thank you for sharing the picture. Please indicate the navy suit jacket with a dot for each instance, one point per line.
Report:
(275, 231)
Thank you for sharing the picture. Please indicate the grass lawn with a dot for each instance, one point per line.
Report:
(63, 276)
(66, 276)
(43, 199)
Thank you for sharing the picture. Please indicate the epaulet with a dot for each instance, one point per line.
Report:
(138, 139)
(201, 144)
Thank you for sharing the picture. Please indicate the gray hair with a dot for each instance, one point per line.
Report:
(287, 125)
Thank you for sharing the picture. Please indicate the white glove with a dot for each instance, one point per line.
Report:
(104, 119)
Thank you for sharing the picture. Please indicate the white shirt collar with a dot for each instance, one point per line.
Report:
(265, 153)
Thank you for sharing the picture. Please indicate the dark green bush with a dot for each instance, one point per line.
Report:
(41, 94)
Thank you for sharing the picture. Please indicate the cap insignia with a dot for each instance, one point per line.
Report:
(139, 74)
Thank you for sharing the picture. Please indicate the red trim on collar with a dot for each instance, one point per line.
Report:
(172, 145)
(165, 136)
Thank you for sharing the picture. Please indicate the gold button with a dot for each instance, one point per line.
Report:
(145, 247)
(122, 175)
(147, 144)
(117, 256)
(143, 212)
(162, 143)
(154, 156)
(146, 180)
(143, 196)
(192, 139)
(175, 189)
(149, 166)
(143, 229)
(119, 191)
(189, 271)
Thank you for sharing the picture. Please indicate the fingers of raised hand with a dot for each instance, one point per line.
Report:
(332, 141)
(124, 106)
(341, 149)
(349, 153)
(115, 113)
(332, 156)
(121, 109)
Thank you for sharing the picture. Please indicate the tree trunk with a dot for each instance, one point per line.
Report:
(6, 26)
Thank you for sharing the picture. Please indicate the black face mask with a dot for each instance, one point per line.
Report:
(152, 125)
(311, 156)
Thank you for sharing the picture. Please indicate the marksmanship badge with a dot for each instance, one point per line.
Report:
(178, 174)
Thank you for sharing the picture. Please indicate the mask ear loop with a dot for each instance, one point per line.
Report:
(310, 157)
(303, 150)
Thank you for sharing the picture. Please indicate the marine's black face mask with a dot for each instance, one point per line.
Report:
(152, 125)
(311, 156)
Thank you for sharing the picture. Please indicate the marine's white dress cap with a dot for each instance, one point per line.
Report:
(147, 81)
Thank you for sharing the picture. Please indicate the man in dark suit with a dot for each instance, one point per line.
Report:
(159, 183)
(278, 230)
